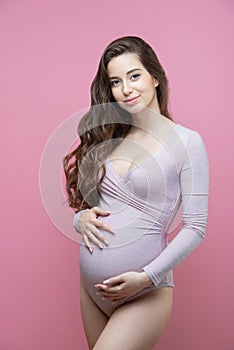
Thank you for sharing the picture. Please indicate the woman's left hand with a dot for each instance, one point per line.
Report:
(123, 286)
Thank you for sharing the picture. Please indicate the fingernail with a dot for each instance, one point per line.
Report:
(100, 246)
(106, 242)
(106, 282)
(91, 250)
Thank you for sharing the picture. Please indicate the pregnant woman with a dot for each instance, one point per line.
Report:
(133, 169)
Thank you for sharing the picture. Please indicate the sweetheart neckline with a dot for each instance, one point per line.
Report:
(156, 153)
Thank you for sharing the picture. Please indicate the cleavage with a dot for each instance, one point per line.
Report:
(127, 157)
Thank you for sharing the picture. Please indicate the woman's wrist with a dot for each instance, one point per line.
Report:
(146, 280)
(76, 218)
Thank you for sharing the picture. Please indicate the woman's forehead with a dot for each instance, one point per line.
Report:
(123, 64)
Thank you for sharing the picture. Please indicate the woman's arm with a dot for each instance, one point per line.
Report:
(194, 182)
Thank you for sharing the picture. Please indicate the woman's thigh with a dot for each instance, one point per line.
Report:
(94, 320)
(138, 324)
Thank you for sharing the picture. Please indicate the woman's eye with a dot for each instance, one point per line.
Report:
(134, 76)
(114, 83)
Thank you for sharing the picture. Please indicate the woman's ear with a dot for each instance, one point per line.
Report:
(156, 83)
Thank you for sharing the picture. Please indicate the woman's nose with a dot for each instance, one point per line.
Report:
(127, 88)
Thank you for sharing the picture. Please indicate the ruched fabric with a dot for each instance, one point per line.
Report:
(143, 205)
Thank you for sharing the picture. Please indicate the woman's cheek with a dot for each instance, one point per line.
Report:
(116, 94)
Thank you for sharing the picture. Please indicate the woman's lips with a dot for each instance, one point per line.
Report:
(131, 101)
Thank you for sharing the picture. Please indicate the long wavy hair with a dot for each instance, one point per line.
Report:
(105, 125)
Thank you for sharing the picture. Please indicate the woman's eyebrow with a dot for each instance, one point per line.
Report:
(130, 71)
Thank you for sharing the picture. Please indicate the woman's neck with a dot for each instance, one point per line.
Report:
(147, 120)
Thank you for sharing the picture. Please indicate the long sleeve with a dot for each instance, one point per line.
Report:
(194, 185)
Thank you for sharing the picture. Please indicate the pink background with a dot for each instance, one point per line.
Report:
(49, 55)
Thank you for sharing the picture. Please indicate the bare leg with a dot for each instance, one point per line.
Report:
(94, 320)
(138, 324)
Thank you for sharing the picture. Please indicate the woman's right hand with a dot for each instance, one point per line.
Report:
(87, 226)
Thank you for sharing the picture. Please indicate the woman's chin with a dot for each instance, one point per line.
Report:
(132, 109)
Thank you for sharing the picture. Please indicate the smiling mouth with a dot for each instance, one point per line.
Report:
(131, 100)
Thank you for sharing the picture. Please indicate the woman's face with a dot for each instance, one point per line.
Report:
(131, 84)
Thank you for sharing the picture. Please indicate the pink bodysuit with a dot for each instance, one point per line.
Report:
(143, 204)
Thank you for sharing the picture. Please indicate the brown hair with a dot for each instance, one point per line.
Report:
(106, 124)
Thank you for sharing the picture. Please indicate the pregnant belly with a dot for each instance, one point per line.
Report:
(112, 261)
